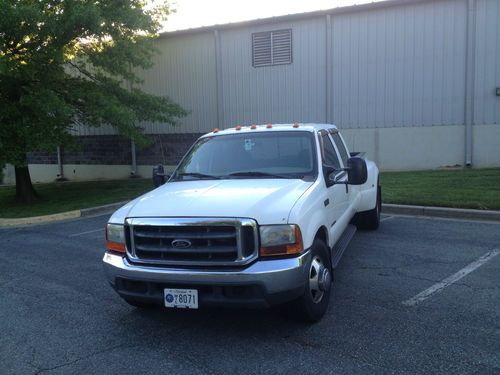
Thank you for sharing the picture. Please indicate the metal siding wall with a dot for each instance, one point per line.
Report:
(185, 71)
(85, 130)
(399, 66)
(487, 63)
(281, 93)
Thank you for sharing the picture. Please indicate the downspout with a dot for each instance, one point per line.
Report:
(218, 80)
(470, 79)
(328, 70)
(133, 171)
(60, 175)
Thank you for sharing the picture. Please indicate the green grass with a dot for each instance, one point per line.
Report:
(463, 188)
(68, 196)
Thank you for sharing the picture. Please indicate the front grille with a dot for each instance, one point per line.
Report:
(191, 241)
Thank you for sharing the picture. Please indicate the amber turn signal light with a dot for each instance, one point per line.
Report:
(115, 246)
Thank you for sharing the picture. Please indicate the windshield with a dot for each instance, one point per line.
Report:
(251, 155)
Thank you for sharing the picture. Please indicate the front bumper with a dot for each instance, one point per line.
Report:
(262, 284)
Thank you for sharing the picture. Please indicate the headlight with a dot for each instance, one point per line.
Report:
(115, 237)
(280, 240)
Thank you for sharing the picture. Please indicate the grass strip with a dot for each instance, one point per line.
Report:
(464, 188)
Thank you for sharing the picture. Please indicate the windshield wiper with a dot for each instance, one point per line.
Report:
(257, 174)
(198, 175)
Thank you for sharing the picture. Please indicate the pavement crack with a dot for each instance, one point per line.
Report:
(40, 370)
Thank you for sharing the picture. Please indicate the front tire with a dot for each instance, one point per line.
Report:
(313, 303)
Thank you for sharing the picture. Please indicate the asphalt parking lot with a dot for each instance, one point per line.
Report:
(417, 296)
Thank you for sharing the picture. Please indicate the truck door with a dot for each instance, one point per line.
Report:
(337, 198)
(344, 156)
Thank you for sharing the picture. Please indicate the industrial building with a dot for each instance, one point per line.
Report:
(414, 83)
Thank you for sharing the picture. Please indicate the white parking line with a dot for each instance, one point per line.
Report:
(436, 288)
(387, 218)
(87, 232)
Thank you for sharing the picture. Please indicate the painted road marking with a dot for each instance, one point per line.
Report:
(87, 232)
(438, 287)
(387, 218)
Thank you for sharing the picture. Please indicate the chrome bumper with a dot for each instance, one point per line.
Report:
(274, 277)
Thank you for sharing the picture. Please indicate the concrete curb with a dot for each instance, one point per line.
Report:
(389, 209)
(40, 219)
(442, 212)
(108, 208)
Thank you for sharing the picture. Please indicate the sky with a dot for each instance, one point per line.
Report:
(197, 13)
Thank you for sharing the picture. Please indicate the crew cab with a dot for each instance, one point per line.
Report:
(253, 216)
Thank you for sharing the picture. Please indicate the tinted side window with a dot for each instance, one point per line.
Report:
(330, 155)
(342, 150)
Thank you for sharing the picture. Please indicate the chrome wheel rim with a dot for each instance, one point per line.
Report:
(316, 279)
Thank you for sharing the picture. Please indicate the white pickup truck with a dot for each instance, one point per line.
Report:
(252, 216)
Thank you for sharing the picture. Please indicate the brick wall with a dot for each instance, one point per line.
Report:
(116, 150)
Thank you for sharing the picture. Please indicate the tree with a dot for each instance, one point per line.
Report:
(67, 62)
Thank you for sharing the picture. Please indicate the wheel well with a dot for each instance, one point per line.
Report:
(322, 234)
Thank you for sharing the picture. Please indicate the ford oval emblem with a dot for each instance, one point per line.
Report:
(181, 244)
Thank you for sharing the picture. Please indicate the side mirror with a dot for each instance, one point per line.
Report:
(159, 176)
(356, 171)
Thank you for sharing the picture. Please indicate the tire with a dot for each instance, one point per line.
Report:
(370, 220)
(139, 304)
(313, 303)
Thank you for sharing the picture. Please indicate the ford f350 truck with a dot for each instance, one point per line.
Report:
(253, 216)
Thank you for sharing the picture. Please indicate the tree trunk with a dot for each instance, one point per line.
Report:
(25, 193)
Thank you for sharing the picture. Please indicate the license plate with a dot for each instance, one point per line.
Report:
(181, 298)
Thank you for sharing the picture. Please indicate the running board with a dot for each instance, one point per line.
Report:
(342, 243)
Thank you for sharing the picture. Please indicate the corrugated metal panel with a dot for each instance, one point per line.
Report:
(283, 93)
(487, 62)
(185, 71)
(85, 130)
(399, 66)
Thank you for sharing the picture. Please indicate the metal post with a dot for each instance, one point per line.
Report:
(469, 79)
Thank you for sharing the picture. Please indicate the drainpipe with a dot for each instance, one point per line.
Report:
(133, 172)
(60, 175)
(469, 79)
(328, 70)
(218, 80)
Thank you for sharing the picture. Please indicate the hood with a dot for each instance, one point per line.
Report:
(268, 201)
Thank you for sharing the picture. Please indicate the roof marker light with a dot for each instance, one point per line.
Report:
(238, 127)
(295, 125)
(269, 126)
(253, 126)
(215, 130)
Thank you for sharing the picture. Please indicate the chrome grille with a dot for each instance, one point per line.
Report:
(191, 241)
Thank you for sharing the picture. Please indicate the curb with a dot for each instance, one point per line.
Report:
(108, 208)
(40, 219)
(442, 212)
(390, 209)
